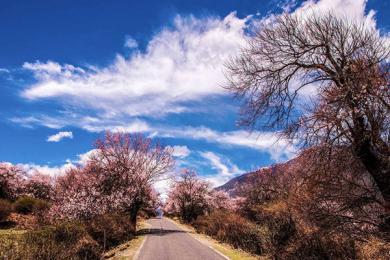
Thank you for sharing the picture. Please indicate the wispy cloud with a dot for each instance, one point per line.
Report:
(269, 142)
(59, 136)
(89, 123)
(225, 169)
(278, 148)
(180, 151)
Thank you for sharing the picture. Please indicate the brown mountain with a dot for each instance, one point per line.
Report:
(233, 185)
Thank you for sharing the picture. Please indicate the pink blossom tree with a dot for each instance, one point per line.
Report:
(118, 177)
(12, 180)
(189, 196)
(220, 200)
(39, 186)
(77, 196)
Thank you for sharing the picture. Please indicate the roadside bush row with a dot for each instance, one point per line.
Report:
(68, 240)
(233, 229)
(278, 239)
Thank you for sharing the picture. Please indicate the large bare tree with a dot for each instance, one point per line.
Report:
(345, 63)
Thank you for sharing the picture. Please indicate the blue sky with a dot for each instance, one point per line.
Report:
(69, 70)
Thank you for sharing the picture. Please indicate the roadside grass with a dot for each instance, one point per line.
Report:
(223, 248)
(9, 239)
(5, 232)
(129, 249)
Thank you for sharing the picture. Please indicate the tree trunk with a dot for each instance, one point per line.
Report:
(377, 165)
(376, 161)
(133, 218)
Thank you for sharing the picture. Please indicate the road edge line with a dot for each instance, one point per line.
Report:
(135, 257)
(200, 241)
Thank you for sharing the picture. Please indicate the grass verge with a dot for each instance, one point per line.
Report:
(9, 242)
(129, 249)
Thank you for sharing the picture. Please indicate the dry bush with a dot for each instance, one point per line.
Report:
(67, 240)
(233, 229)
(27, 205)
(10, 245)
(278, 221)
(264, 203)
(374, 248)
(5, 209)
(110, 229)
(329, 193)
(318, 247)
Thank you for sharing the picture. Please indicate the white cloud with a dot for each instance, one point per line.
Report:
(3, 70)
(180, 151)
(49, 67)
(351, 9)
(59, 136)
(130, 42)
(162, 187)
(278, 148)
(84, 157)
(52, 171)
(180, 64)
(89, 123)
(225, 170)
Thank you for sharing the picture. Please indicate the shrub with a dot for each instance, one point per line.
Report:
(320, 246)
(278, 222)
(68, 240)
(374, 248)
(27, 205)
(110, 230)
(5, 209)
(233, 229)
(11, 244)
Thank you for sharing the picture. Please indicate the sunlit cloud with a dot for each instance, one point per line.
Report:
(59, 136)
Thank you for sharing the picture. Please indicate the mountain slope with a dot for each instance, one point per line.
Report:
(232, 186)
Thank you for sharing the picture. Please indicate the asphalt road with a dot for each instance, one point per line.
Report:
(167, 241)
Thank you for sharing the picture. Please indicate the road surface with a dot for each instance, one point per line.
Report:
(167, 241)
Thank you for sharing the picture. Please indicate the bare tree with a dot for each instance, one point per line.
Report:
(347, 65)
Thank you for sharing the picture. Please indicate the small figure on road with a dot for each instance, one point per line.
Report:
(159, 212)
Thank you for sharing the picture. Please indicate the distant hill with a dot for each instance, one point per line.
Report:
(232, 186)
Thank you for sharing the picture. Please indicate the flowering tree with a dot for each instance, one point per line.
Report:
(220, 200)
(12, 180)
(77, 195)
(117, 177)
(39, 186)
(191, 197)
